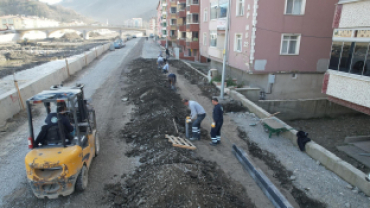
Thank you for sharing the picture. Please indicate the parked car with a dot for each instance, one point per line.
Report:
(134, 36)
(119, 44)
(151, 35)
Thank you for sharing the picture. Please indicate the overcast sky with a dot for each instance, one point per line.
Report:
(51, 1)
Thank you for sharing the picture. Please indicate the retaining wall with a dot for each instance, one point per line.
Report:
(9, 102)
(304, 109)
(343, 169)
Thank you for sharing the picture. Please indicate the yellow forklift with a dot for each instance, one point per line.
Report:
(59, 161)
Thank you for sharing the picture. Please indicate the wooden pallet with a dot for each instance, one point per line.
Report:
(180, 142)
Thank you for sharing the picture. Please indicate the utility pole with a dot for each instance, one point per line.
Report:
(225, 52)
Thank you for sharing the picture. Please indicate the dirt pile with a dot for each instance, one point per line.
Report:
(167, 176)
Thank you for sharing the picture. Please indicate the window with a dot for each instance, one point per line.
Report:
(345, 60)
(336, 49)
(295, 7)
(213, 10)
(352, 57)
(173, 10)
(172, 33)
(290, 44)
(222, 12)
(358, 60)
(205, 15)
(213, 38)
(240, 8)
(204, 38)
(367, 63)
(173, 21)
(238, 43)
(192, 19)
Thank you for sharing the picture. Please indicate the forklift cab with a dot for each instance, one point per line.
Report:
(78, 113)
(58, 163)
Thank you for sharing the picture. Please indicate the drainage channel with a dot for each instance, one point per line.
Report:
(261, 179)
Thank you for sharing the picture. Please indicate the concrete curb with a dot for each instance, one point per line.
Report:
(9, 101)
(341, 168)
(261, 179)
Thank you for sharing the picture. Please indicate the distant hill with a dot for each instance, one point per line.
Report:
(36, 8)
(116, 11)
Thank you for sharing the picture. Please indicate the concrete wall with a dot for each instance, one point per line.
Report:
(9, 102)
(355, 14)
(349, 87)
(286, 86)
(304, 109)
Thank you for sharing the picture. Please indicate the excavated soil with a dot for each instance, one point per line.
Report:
(167, 176)
(208, 89)
(281, 173)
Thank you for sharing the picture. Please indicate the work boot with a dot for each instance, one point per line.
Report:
(213, 144)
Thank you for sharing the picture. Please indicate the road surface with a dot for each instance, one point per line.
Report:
(102, 87)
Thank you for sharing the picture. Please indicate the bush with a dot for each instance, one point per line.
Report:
(217, 78)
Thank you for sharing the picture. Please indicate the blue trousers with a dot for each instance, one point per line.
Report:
(216, 132)
(196, 126)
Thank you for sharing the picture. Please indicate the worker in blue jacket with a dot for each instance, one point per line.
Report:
(218, 120)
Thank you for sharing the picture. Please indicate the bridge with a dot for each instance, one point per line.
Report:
(84, 29)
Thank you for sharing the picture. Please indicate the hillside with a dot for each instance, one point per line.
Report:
(36, 8)
(114, 11)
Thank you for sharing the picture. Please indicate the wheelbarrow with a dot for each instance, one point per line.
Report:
(272, 125)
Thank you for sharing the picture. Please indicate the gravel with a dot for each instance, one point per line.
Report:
(324, 185)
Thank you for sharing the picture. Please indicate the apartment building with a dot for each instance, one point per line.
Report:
(347, 80)
(180, 26)
(279, 46)
(153, 25)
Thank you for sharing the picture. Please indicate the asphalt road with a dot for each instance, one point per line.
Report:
(103, 82)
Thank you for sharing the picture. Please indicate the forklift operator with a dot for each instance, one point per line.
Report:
(52, 120)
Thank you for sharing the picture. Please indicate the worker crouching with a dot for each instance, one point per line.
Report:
(218, 120)
(197, 116)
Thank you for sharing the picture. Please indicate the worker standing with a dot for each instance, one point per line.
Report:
(167, 53)
(218, 120)
(197, 115)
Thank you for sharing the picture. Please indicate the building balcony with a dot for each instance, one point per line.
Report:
(181, 42)
(215, 52)
(192, 27)
(181, 14)
(172, 38)
(172, 27)
(192, 44)
(173, 15)
(182, 28)
(193, 8)
(348, 90)
(173, 3)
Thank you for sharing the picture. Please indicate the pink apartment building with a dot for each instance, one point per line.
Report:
(279, 46)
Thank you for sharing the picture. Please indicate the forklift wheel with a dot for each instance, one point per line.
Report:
(82, 179)
(97, 145)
